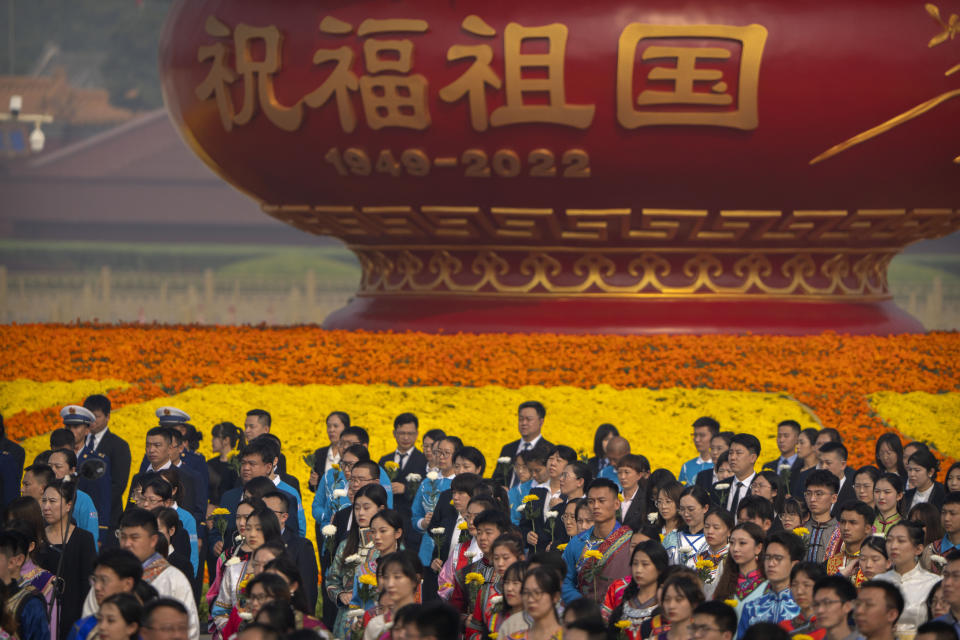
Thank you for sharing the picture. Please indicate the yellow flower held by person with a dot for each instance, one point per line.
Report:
(705, 563)
(561, 547)
(530, 498)
(220, 511)
(462, 526)
(731, 602)
(622, 624)
(451, 503)
(802, 531)
(620, 497)
(472, 577)
(368, 579)
(335, 465)
(661, 537)
(493, 635)
(390, 465)
(593, 553)
(446, 585)
(801, 636)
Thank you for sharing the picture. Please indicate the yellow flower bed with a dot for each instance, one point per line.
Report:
(657, 422)
(931, 417)
(27, 395)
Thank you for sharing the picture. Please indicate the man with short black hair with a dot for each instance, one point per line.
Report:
(704, 429)
(115, 450)
(488, 524)
(833, 599)
(166, 619)
(24, 603)
(936, 630)
(139, 534)
(530, 417)
(162, 450)
(821, 494)
(758, 510)
(713, 620)
(256, 423)
(855, 524)
(877, 609)
(300, 549)
(788, 435)
(117, 571)
(832, 456)
(590, 576)
(742, 454)
(589, 628)
(781, 552)
(950, 519)
(437, 621)
(14, 457)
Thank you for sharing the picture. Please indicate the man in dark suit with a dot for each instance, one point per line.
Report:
(257, 423)
(12, 457)
(409, 460)
(530, 417)
(788, 434)
(833, 458)
(300, 549)
(632, 472)
(113, 449)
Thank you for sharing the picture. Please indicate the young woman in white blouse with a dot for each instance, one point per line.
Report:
(904, 546)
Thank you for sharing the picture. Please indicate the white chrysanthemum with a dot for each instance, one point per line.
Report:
(339, 493)
(495, 600)
(521, 507)
(652, 517)
(329, 531)
(437, 531)
(355, 613)
(551, 514)
(414, 477)
(352, 559)
(245, 615)
(504, 460)
(433, 476)
(782, 467)
(686, 550)
(471, 554)
(940, 560)
(721, 487)
(232, 561)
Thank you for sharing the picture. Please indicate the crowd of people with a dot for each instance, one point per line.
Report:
(438, 543)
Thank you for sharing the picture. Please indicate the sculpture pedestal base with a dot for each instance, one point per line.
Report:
(572, 316)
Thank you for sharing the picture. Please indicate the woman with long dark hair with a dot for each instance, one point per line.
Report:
(386, 530)
(717, 526)
(693, 507)
(634, 598)
(742, 570)
(119, 618)
(864, 482)
(922, 470)
(601, 437)
(888, 453)
(400, 574)
(887, 492)
(873, 557)
(541, 595)
(352, 552)
(904, 546)
(227, 438)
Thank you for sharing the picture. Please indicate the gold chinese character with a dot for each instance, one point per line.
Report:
(474, 80)
(260, 73)
(341, 80)
(220, 75)
(392, 100)
(685, 75)
(556, 111)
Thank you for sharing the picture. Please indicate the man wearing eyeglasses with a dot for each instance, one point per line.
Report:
(821, 494)
(713, 620)
(833, 599)
(781, 552)
(299, 549)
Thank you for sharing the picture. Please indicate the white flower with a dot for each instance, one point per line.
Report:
(414, 477)
(355, 558)
(495, 600)
(550, 514)
(355, 613)
(329, 531)
(339, 493)
(433, 476)
(783, 466)
(685, 550)
(521, 507)
(232, 561)
(504, 460)
(652, 517)
(437, 531)
(245, 615)
(238, 538)
(939, 560)
(471, 554)
(722, 486)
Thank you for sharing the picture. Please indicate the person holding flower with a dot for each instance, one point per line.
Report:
(633, 599)
(541, 595)
(693, 506)
(601, 555)
(522, 488)
(485, 616)
(406, 460)
(717, 526)
(489, 525)
(351, 553)
(386, 529)
(425, 501)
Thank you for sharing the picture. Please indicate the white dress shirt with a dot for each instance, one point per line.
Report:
(915, 585)
(746, 482)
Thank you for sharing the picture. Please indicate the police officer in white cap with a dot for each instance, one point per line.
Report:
(85, 508)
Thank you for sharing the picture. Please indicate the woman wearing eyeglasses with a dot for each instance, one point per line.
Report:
(693, 507)
(540, 595)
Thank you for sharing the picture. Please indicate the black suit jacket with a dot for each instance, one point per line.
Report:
(416, 462)
(319, 465)
(540, 526)
(503, 472)
(444, 516)
(637, 513)
(117, 452)
(12, 457)
(188, 500)
(937, 497)
(305, 559)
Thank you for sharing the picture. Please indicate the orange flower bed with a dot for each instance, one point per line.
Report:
(830, 373)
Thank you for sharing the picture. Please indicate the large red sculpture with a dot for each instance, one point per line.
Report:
(587, 166)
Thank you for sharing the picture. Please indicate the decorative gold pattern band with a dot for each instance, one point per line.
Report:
(836, 274)
(627, 226)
